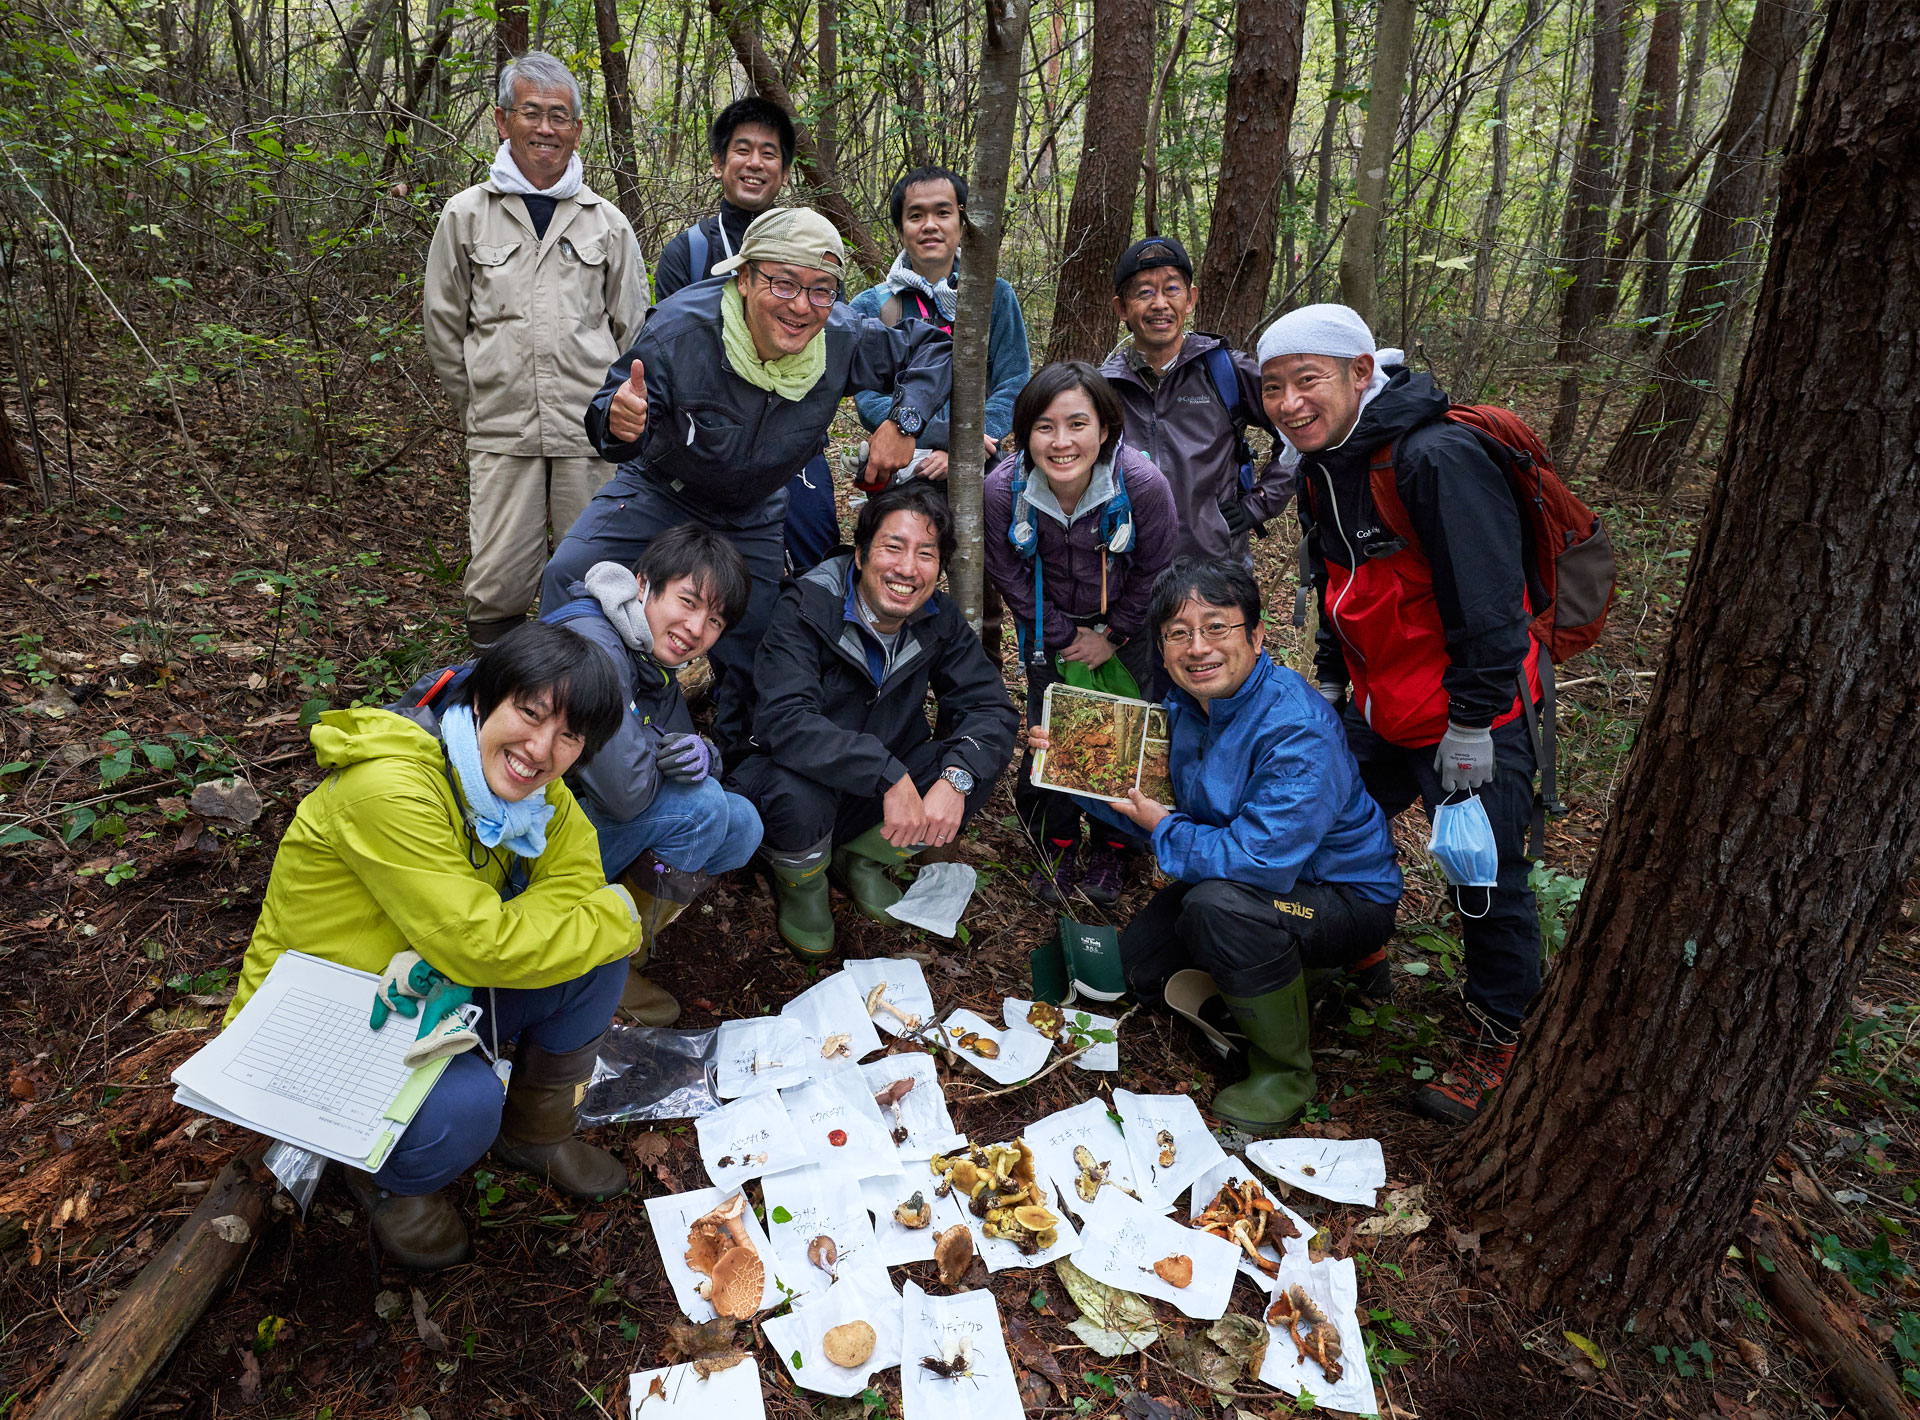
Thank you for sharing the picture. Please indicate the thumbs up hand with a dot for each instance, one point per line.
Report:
(627, 414)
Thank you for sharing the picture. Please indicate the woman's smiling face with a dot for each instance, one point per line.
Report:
(1065, 441)
(525, 745)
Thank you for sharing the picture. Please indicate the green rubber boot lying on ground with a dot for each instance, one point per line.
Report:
(1280, 1080)
(861, 868)
(806, 906)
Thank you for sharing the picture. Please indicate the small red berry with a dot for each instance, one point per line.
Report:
(837, 1138)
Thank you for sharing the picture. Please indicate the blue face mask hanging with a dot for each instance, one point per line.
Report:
(1463, 846)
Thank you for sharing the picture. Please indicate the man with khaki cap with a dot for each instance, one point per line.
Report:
(729, 389)
(534, 282)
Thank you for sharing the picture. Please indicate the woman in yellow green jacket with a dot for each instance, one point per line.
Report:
(448, 832)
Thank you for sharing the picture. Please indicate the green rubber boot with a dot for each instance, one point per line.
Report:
(1280, 1080)
(861, 868)
(806, 907)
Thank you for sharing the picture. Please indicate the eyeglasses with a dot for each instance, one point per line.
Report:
(785, 290)
(558, 117)
(1212, 633)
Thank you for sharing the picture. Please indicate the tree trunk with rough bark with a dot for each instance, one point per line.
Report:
(510, 35)
(1663, 172)
(1360, 248)
(1150, 149)
(1323, 160)
(1757, 848)
(1650, 449)
(1655, 109)
(827, 71)
(1261, 88)
(1100, 221)
(613, 72)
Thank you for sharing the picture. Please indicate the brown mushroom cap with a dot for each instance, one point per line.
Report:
(739, 1278)
(850, 1344)
(1034, 1218)
(1176, 1271)
(953, 1253)
(705, 1243)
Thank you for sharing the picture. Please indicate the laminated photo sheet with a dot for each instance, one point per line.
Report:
(1053, 1139)
(1342, 1170)
(934, 1327)
(1333, 1284)
(882, 1195)
(1232, 1170)
(814, 1200)
(684, 1395)
(760, 1054)
(833, 1006)
(1195, 1150)
(748, 1138)
(906, 989)
(1123, 1240)
(923, 1113)
(1021, 1052)
(836, 1104)
(671, 1216)
(797, 1336)
(1101, 1055)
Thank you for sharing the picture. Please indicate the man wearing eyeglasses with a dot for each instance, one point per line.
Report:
(1281, 860)
(729, 389)
(534, 284)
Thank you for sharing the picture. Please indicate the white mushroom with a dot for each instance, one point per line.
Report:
(877, 1001)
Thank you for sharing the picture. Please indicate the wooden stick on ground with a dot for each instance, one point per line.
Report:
(105, 1373)
(1851, 1362)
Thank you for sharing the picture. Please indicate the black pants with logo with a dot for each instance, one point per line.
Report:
(797, 811)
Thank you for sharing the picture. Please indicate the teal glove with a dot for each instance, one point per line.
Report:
(405, 983)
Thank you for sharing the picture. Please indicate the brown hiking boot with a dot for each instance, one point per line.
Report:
(642, 1003)
(422, 1233)
(538, 1120)
(1456, 1096)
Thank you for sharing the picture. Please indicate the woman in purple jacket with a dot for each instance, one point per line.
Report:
(1078, 528)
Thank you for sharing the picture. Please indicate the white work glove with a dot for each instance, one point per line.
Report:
(1464, 758)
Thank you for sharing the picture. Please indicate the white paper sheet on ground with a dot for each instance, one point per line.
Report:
(1053, 1138)
(829, 1007)
(812, 1201)
(935, 1327)
(837, 1101)
(748, 1138)
(938, 897)
(1232, 1170)
(1101, 1055)
(882, 1195)
(1195, 1150)
(1122, 1240)
(764, 1053)
(1021, 1052)
(923, 1112)
(859, 1296)
(672, 1215)
(1344, 1170)
(1333, 1285)
(683, 1395)
(906, 989)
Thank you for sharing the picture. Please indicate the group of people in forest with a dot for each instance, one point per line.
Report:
(526, 825)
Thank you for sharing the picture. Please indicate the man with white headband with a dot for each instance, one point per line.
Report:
(1426, 638)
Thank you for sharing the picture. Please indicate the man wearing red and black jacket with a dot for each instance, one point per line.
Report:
(1426, 639)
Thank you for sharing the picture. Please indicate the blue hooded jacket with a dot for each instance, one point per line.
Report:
(1269, 793)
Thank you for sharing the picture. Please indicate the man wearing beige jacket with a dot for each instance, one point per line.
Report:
(535, 284)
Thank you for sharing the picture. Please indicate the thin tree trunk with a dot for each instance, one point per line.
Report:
(1150, 150)
(827, 71)
(1589, 201)
(1100, 222)
(1725, 926)
(1664, 176)
(1651, 119)
(1649, 452)
(1360, 248)
(613, 72)
(1261, 88)
(914, 13)
(996, 108)
(1496, 201)
(677, 115)
(1696, 68)
(510, 36)
(1323, 174)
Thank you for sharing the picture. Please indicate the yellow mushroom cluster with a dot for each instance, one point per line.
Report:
(999, 1185)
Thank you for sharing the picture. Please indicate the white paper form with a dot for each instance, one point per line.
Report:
(833, 1006)
(882, 1195)
(1231, 1170)
(1333, 1285)
(935, 1327)
(749, 1138)
(1021, 1052)
(683, 1395)
(1343, 1170)
(906, 989)
(804, 1203)
(1087, 1124)
(763, 1053)
(672, 1215)
(299, 1063)
(859, 1296)
(1123, 1240)
(839, 1124)
(923, 1112)
(1195, 1150)
(1101, 1055)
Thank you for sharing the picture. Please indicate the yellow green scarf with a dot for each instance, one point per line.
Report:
(790, 376)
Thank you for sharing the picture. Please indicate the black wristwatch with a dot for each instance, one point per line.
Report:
(906, 418)
(961, 780)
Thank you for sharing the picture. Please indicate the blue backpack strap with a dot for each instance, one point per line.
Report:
(696, 253)
(1226, 384)
(571, 611)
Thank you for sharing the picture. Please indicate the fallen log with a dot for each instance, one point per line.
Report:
(106, 1371)
(1848, 1358)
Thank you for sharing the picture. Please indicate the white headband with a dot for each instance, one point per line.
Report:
(1331, 330)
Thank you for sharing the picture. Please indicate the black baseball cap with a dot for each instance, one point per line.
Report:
(1148, 253)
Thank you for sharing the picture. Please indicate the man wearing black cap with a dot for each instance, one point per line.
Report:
(1189, 399)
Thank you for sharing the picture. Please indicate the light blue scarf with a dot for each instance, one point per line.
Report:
(521, 827)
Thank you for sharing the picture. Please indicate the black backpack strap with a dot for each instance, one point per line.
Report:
(1542, 729)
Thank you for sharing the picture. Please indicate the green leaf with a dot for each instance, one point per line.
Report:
(160, 757)
(797, 1362)
(781, 1215)
(1588, 1349)
(1094, 1378)
(77, 822)
(17, 833)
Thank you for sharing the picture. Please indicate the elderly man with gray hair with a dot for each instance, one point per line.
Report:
(535, 284)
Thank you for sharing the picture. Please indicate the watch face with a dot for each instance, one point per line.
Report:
(910, 420)
(960, 779)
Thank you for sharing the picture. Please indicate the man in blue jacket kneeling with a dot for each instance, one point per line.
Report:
(1282, 860)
